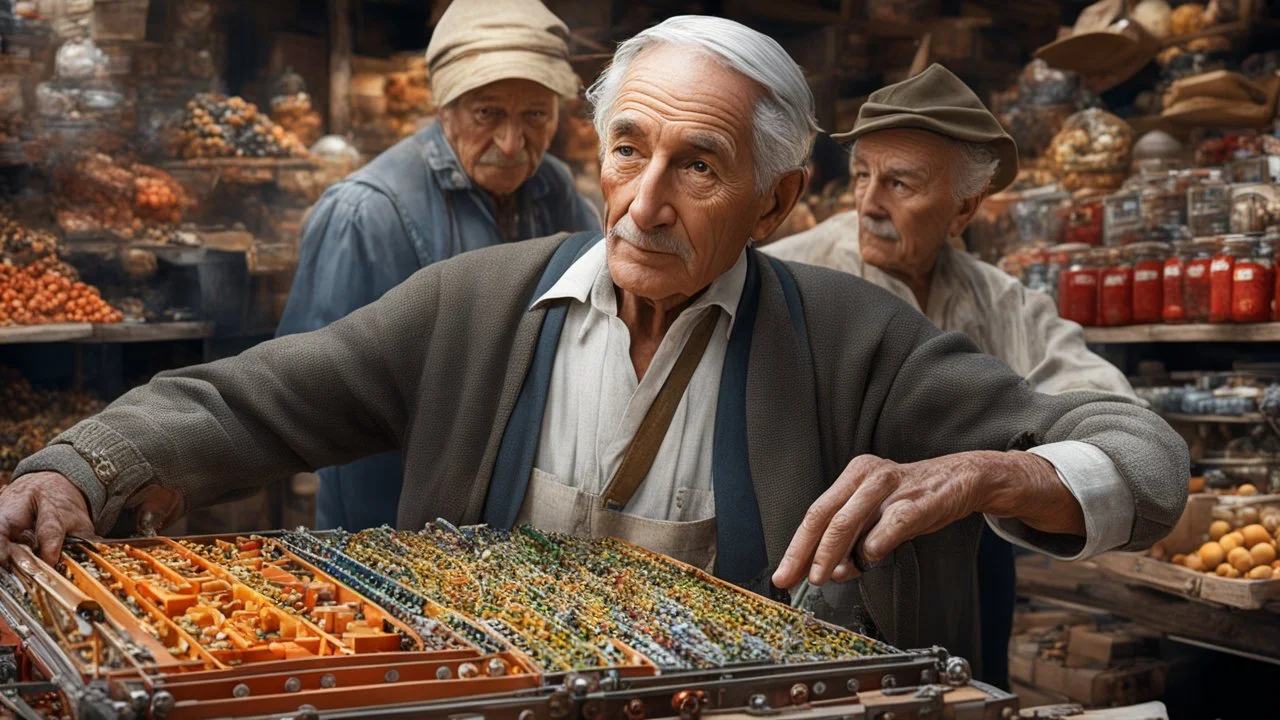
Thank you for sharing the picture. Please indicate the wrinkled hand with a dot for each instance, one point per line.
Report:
(50, 506)
(884, 504)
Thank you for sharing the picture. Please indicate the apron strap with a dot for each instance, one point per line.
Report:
(653, 429)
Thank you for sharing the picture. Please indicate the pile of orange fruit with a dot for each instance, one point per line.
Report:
(1244, 547)
(48, 291)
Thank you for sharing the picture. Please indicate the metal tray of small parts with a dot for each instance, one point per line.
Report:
(40, 677)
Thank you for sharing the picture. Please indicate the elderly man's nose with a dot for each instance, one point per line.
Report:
(869, 203)
(510, 138)
(650, 208)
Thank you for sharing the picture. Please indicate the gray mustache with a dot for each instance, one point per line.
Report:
(880, 228)
(494, 156)
(663, 241)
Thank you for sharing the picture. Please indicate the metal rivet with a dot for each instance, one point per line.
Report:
(526, 714)
(240, 691)
(496, 667)
(328, 680)
(1006, 713)
(819, 688)
(443, 673)
(852, 685)
(799, 694)
(888, 716)
(391, 675)
(292, 685)
(580, 685)
(888, 681)
(466, 671)
(758, 702)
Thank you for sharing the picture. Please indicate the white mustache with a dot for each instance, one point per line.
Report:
(494, 156)
(880, 228)
(655, 240)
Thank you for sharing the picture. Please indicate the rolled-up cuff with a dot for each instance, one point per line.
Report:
(64, 460)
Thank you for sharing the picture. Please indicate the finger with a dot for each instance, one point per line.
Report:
(795, 561)
(896, 526)
(845, 571)
(16, 512)
(848, 525)
(49, 536)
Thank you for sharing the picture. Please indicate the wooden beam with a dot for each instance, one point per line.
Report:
(339, 66)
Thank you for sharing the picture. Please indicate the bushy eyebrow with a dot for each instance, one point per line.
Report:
(624, 127)
(710, 143)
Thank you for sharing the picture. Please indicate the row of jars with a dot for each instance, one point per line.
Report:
(1228, 279)
(1165, 207)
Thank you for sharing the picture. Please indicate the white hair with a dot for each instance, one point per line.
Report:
(784, 120)
(978, 166)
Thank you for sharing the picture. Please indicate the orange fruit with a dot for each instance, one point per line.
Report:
(1218, 528)
(1212, 554)
(1240, 559)
(1194, 562)
(1260, 573)
(1254, 534)
(1263, 554)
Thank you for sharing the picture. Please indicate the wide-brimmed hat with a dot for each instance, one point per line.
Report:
(938, 101)
(478, 42)
(1104, 47)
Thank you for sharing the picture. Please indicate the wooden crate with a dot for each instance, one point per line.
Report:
(1187, 536)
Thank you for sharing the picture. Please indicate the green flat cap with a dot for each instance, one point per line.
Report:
(938, 101)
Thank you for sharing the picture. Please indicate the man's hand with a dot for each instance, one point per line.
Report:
(50, 506)
(885, 504)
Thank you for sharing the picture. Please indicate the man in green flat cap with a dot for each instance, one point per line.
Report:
(925, 153)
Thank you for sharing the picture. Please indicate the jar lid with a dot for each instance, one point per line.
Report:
(1148, 246)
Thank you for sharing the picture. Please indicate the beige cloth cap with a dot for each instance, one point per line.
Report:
(478, 42)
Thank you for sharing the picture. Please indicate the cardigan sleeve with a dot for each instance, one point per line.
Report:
(289, 405)
(947, 397)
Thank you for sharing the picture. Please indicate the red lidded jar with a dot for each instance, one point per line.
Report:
(1220, 271)
(1173, 310)
(1195, 281)
(1084, 221)
(1078, 288)
(1148, 282)
(1253, 280)
(1115, 296)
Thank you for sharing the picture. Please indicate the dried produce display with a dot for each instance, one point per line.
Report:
(30, 418)
(215, 126)
(295, 115)
(98, 192)
(408, 95)
(49, 291)
(21, 244)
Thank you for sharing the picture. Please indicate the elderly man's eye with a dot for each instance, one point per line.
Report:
(897, 185)
(625, 151)
(535, 114)
(699, 167)
(861, 175)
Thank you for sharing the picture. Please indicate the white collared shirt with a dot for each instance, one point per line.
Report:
(595, 404)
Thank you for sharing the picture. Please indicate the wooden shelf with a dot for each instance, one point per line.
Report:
(29, 334)
(1247, 419)
(112, 333)
(149, 332)
(1259, 332)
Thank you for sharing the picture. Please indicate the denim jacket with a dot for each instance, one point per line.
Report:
(411, 206)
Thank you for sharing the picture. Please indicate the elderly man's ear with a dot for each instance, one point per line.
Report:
(778, 205)
(968, 208)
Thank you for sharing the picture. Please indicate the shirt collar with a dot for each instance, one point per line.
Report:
(445, 165)
(588, 281)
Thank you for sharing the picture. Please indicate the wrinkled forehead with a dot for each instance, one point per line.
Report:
(687, 94)
(904, 149)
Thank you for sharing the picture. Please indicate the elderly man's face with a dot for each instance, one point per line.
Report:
(906, 207)
(678, 175)
(500, 132)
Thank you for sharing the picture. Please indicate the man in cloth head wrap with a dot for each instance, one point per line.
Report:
(926, 153)
(477, 177)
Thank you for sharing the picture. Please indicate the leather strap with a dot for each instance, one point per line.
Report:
(648, 438)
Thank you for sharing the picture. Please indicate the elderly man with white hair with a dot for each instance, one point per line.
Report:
(926, 153)
(665, 383)
(479, 176)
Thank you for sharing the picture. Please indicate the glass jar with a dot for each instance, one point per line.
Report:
(1164, 204)
(1115, 297)
(1148, 283)
(1084, 221)
(1173, 310)
(1209, 208)
(1122, 218)
(1195, 281)
(1078, 288)
(1253, 281)
(1224, 262)
(1254, 208)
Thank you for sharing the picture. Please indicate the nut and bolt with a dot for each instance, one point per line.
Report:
(292, 685)
(819, 688)
(852, 685)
